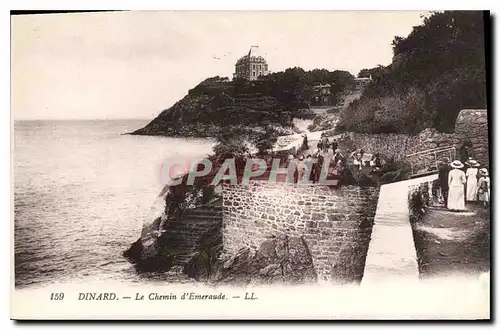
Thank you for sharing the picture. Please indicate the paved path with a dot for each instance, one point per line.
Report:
(288, 142)
(391, 253)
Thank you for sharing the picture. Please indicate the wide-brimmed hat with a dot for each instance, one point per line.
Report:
(483, 171)
(456, 164)
(337, 150)
(473, 163)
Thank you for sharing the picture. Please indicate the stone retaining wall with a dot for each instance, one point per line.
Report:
(336, 223)
(399, 145)
(473, 125)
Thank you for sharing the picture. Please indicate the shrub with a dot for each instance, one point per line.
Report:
(418, 201)
(358, 178)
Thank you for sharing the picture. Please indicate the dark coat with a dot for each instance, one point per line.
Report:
(443, 172)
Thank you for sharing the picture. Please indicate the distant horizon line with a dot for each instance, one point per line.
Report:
(77, 119)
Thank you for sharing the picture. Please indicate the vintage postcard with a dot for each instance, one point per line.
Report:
(258, 165)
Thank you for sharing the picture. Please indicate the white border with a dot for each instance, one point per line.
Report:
(181, 5)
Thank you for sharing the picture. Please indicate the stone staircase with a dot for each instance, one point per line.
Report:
(184, 236)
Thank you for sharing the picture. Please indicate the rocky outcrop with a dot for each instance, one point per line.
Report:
(279, 260)
(324, 122)
(181, 222)
(329, 119)
(210, 108)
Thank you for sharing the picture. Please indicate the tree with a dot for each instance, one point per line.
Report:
(375, 72)
(437, 70)
(264, 140)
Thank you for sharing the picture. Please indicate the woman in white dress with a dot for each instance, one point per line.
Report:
(471, 175)
(456, 182)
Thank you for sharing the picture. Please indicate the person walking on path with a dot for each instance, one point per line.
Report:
(334, 144)
(483, 191)
(291, 169)
(376, 163)
(315, 168)
(324, 141)
(328, 155)
(444, 170)
(309, 163)
(337, 156)
(464, 151)
(301, 169)
(471, 174)
(456, 182)
(357, 156)
(305, 143)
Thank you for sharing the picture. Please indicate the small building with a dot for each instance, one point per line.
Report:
(251, 66)
(362, 82)
(322, 94)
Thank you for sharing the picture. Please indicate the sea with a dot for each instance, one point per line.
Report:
(82, 191)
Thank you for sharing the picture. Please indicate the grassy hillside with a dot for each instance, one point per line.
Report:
(437, 70)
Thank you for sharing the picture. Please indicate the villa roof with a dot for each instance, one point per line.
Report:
(254, 51)
(252, 54)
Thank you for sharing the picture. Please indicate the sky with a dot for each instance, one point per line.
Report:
(135, 64)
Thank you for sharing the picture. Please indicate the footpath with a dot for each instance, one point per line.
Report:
(391, 253)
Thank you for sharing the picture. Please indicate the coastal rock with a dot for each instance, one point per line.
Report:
(200, 267)
(279, 260)
(134, 252)
(160, 261)
(182, 220)
(299, 268)
(235, 270)
(211, 107)
(350, 264)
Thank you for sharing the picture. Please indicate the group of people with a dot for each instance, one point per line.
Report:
(324, 143)
(315, 163)
(459, 186)
(328, 157)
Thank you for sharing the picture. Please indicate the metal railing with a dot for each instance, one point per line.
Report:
(427, 161)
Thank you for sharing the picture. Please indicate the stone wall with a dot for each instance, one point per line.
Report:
(388, 145)
(472, 125)
(336, 223)
(400, 145)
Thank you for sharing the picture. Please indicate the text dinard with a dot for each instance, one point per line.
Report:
(152, 296)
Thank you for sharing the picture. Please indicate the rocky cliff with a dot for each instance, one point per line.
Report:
(182, 220)
(185, 229)
(279, 260)
(212, 107)
(329, 119)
